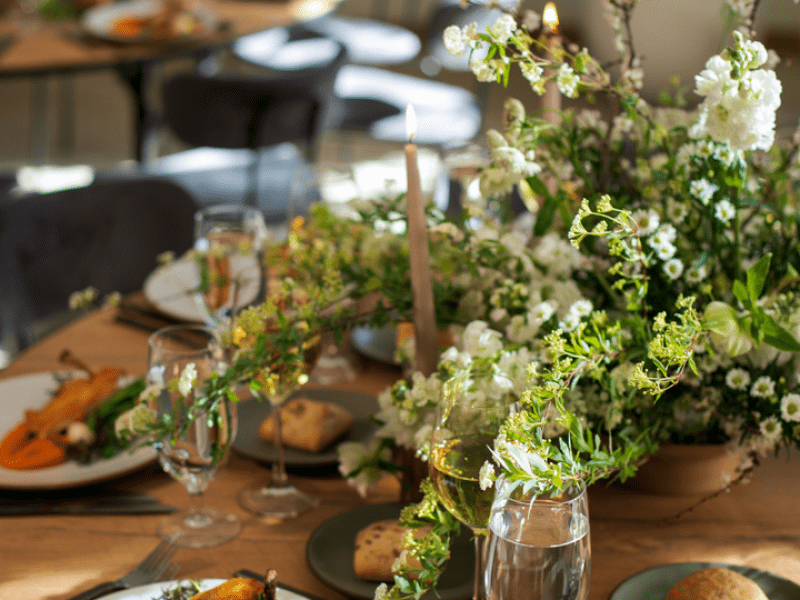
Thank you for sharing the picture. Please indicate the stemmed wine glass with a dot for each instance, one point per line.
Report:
(467, 422)
(538, 546)
(181, 358)
(278, 498)
(228, 241)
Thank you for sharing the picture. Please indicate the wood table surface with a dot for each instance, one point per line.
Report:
(54, 557)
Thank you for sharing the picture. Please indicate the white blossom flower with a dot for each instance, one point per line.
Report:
(673, 268)
(570, 322)
(763, 387)
(703, 190)
(567, 81)
(771, 430)
(647, 221)
(696, 273)
(724, 211)
(676, 211)
(486, 475)
(790, 407)
(454, 40)
(187, 379)
(381, 592)
(531, 71)
(504, 27)
(737, 379)
(581, 308)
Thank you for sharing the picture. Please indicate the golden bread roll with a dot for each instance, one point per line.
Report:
(238, 588)
(377, 547)
(308, 425)
(716, 583)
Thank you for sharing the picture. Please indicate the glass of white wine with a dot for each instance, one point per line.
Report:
(228, 243)
(181, 358)
(467, 424)
(539, 547)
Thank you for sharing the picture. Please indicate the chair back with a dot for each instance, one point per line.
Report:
(107, 235)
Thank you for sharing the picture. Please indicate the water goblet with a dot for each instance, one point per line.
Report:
(466, 425)
(538, 547)
(200, 440)
(228, 241)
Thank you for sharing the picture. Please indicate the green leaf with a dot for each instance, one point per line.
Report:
(757, 276)
(778, 337)
(545, 217)
(741, 293)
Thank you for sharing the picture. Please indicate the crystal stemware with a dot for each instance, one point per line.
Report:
(181, 358)
(279, 498)
(467, 422)
(228, 241)
(538, 546)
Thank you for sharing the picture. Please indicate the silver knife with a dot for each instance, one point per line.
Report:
(110, 505)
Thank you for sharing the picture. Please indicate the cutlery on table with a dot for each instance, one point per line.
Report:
(149, 570)
(116, 504)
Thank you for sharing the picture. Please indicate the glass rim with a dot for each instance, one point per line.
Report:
(165, 333)
(547, 498)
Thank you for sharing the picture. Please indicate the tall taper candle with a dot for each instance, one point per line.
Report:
(551, 99)
(425, 332)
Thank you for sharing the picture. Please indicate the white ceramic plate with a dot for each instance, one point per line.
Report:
(155, 590)
(33, 392)
(99, 20)
(653, 584)
(170, 287)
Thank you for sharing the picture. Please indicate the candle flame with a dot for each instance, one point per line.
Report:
(411, 122)
(550, 17)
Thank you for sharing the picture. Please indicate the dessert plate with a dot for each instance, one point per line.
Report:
(154, 591)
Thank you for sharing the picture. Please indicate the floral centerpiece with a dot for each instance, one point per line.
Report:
(649, 294)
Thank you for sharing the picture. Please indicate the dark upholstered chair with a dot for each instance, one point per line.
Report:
(106, 235)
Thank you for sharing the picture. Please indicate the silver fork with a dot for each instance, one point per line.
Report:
(149, 570)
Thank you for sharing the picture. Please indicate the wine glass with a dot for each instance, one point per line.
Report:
(539, 546)
(229, 239)
(279, 498)
(200, 442)
(467, 422)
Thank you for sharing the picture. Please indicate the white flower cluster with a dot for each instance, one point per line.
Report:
(740, 98)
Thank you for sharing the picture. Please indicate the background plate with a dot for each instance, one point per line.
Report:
(374, 343)
(33, 392)
(331, 546)
(252, 412)
(99, 19)
(168, 287)
(155, 590)
(653, 584)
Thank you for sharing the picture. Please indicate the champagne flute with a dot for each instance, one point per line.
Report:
(539, 546)
(467, 422)
(200, 442)
(280, 499)
(228, 241)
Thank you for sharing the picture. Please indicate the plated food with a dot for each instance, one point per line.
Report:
(377, 547)
(716, 583)
(308, 424)
(144, 21)
(75, 423)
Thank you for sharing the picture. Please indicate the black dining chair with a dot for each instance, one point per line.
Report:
(247, 132)
(106, 235)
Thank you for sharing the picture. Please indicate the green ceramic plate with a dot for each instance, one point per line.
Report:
(653, 584)
(331, 546)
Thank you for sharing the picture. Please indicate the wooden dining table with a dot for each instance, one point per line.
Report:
(755, 524)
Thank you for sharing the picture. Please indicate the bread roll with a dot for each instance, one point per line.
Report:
(308, 425)
(716, 583)
(378, 546)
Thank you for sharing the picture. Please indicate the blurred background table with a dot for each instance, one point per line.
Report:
(55, 557)
(36, 47)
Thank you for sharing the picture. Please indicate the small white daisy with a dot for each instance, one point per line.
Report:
(737, 379)
(771, 429)
(790, 407)
(763, 387)
(673, 268)
(724, 211)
